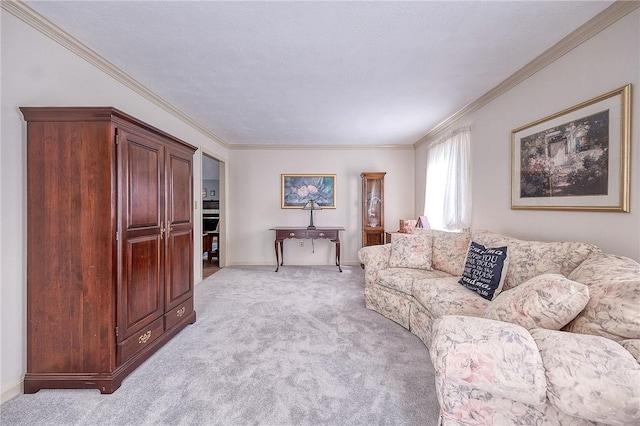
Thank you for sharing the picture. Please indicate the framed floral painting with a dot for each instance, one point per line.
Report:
(577, 159)
(297, 190)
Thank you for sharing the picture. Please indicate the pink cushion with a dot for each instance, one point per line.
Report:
(547, 301)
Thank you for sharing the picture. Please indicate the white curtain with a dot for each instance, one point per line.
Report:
(447, 202)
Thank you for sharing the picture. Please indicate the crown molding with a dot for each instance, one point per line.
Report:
(26, 14)
(283, 147)
(601, 21)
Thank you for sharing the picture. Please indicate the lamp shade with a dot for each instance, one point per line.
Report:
(311, 205)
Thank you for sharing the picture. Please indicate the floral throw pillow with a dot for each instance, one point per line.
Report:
(411, 251)
(547, 301)
(485, 270)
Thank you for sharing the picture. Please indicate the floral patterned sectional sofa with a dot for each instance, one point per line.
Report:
(557, 343)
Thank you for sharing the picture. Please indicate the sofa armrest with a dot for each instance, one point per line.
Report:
(590, 377)
(375, 258)
(493, 356)
(633, 347)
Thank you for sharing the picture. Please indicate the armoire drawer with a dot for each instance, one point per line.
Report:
(140, 340)
(175, 315)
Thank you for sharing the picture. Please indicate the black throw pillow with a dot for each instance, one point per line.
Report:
(485, 269)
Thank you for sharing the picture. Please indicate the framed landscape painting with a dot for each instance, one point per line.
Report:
(297, 190)
(577, 159)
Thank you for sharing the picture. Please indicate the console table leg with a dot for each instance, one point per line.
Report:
(277, 257)
(338, 256)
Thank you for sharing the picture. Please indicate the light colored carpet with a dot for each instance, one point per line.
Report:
(296, 347)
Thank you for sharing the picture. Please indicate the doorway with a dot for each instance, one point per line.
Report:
(211, 221)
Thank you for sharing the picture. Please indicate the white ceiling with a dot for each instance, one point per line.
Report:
(319, 73)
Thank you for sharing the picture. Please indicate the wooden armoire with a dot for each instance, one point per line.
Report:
(110, 245)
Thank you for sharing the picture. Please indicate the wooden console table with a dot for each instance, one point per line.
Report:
(282, 233)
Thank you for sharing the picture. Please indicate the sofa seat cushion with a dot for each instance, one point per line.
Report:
(402, 279)
(613, 310)
(528, 259)
(547, 301)
(463, 404)
(444, 296)
(392, 304)
(590, 377)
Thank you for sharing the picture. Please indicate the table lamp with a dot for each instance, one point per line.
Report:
(311, 205)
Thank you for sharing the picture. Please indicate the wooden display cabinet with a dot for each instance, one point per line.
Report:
(373, 208)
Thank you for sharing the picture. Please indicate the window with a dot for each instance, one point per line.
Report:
(447, 202)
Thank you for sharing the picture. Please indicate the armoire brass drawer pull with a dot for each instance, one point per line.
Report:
(144, 338)
(180, 312)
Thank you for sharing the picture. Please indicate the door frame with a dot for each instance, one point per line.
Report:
(222, 224)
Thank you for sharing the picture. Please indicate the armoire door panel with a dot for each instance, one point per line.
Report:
(144, 165)
(179, 190)
(179, 267)
(141, 289)
(143, 295)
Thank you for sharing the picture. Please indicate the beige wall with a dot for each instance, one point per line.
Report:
(606, 62)
(37, 71)
(254, 199)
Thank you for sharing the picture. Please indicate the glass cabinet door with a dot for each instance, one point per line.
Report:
(374, 203)
(372, 208)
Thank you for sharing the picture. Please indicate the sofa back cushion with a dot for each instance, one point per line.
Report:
(613, 310)
(449, 250)
(528, 259)
(411, 251)
(444, 296)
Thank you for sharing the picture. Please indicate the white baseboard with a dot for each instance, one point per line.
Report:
(11, 392)
(290, 263)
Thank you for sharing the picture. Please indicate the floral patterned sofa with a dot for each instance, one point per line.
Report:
(558, 343)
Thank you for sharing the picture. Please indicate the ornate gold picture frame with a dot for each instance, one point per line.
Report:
(576, 159)
(297, 190)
